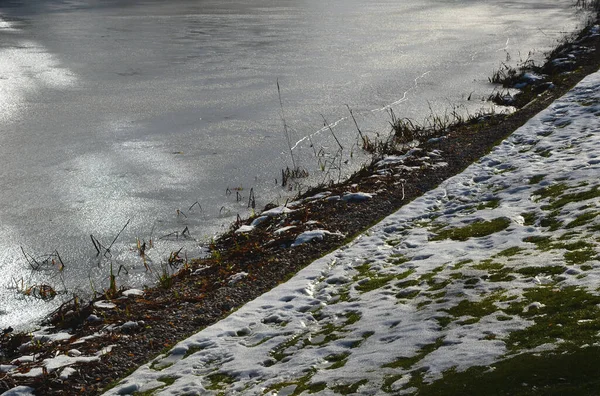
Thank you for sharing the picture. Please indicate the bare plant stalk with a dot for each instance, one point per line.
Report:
(312, 145)
(116, 237)
(328, 125)
(340, 150)
(97, 244)
(33, 263)
(251, 199)
(194, 204)
(285, 127)
(174, 233)
(362, 137)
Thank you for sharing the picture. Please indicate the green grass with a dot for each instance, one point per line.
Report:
(166, 379)
(536, 179)
(579, 245)
(504, 318)
(479, 228)
(398, 259)
(302, 384)
(219, 381)
(511, 251)
(569, 235)
(191, 350)
(491, 204)
(407, 362)
(352, 317)
(496, 272)
(565, 199)
(574, 374)
(543, 243)
(580, 256)
(444, 320)
(551, 221)
(344, 295)
(582, 219)
(552, 191)
(434, 286)
(278, 353)
(535, 271)
(408, 283)
(338, 360)
(348, 389)
(476, 309)
(407, 294)
(503, 275)
(462, 263)
(374, 282)
(578, 252)
(529, 218)
(488, 265)
(570, 314)
(371, 280)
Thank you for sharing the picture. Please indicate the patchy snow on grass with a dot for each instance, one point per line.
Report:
(455, 279)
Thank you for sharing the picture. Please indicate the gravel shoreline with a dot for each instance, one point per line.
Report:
(244, 265)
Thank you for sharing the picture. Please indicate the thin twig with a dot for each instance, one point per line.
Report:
(194, 204)
(356, 123)
(328, 125)
(114, 240)
(251, 199)
(285, 127)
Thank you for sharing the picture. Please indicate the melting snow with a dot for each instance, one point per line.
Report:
(103, 304)
(308, 236)
(19, 391)
(276, 211)
(244, 229)
(357, 197)
(133, 292)
(233, 279)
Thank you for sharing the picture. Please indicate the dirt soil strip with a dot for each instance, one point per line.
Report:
(205, 291)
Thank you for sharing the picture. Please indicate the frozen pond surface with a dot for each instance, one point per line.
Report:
(135, 110)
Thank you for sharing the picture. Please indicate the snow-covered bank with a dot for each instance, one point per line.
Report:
(454, 279)
(137, 110)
